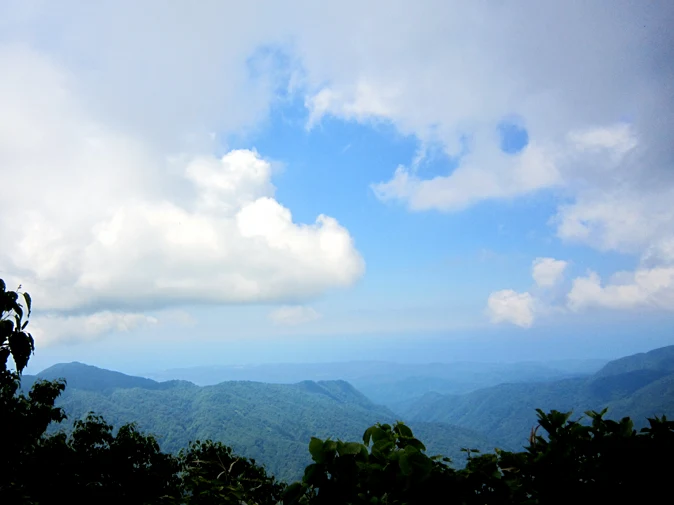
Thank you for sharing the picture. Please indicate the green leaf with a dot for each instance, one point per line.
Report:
(329, 450)
(405, 464)
(312, 473)
(403, 430)
(316, 449)
(383, 446)
(351, 448)
(417, 444)
(293, 492)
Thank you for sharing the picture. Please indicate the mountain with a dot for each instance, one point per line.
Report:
(639, 386)
(91, 378)
(272, 423)
(661, 359)
(390, 383)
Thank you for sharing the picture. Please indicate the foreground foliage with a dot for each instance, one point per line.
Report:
(594, 461)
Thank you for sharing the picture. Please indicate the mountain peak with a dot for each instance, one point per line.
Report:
(661, 360)
(88, 377)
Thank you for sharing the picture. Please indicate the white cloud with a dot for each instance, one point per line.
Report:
(293, 315)
(48, 330)
(522, 308)
(364, 102)
(618, 138)
(644, 288)
(511, 307)
(619, 219)
(103, 221)
(492, 175)
(547, 272)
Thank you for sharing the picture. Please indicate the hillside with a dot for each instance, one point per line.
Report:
(638, 386)
(272, 423)
(661, 359)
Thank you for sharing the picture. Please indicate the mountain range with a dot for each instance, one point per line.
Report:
(273, 422)
(390, 383)
(638, 386)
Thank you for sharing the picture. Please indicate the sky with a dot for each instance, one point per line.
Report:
(215, 182)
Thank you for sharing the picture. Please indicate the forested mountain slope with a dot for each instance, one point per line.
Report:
(390, 383)
(272, 423)
(638, 386)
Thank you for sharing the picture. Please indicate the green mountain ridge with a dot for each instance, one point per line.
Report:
(272, 423)
(639, 386)
(661, 359)
(390, 383)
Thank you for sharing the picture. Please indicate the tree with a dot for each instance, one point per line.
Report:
(211, 474)
(93, 463)
(390, 466)
(23, 419)
(90, 465)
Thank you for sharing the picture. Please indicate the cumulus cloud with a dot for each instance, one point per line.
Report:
(104, 221)
(521, 309)
(479, 177)
(292, 315)
(511, 307)
(547, 272)
(643, 288)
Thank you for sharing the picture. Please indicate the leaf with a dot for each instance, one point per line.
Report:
(417, 444)
(3, 286)
(350, 448)
(329, 450)
(21, 345)
(403, 430)
(405, 464)
(29, 302)
(383, 447)
(6, 329)
(293, 492)
(312, 473)
(316, 449)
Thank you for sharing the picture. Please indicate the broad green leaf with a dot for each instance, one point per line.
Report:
(405, 464)
(403, 430)
(316, 449)
(351, 448)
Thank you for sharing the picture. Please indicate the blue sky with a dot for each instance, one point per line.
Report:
(491, 191)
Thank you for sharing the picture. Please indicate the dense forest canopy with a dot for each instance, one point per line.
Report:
(566, 461)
